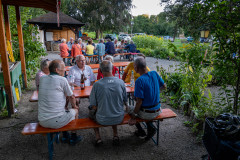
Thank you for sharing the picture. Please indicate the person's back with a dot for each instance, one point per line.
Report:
(110, 47)
(101, 49)
(110, 96)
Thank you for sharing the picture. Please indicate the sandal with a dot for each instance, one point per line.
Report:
(116, 141)
(98, 142)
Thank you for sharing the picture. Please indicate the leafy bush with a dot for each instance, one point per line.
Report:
(147, 41)
(161, 53)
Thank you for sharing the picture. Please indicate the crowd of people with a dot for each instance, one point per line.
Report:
(73, 48)
(108, 98)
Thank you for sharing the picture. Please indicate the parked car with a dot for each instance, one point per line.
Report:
(124, 37)
(111, 36)
(142, 34)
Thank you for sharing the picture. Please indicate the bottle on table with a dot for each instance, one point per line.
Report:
(132, 83)
(71, 82)
(82, 82)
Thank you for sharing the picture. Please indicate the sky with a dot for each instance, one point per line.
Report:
(150, 7)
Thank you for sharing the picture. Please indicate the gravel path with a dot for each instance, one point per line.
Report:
(176, 141)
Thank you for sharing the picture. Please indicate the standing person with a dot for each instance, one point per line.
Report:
(114, 69)
(126, 77)
(101, 50)
(109, 47)
(147, 93)
(107, 100)
(44, 70)
(63, 49)
(76, 50)
(79, 69)
(70, 44)
(89, 50)
(53, 91)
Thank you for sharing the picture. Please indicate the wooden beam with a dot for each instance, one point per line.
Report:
(21, 46)
(5, 64)
(7, 24)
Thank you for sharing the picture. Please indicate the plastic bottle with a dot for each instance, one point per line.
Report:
(71, 81)
(132, 80)
(82, 82)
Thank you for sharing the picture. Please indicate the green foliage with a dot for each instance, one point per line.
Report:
(32, 48)
(161, 53)
(147, 41)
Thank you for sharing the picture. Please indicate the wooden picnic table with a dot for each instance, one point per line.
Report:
(96, 66)
(85, 93)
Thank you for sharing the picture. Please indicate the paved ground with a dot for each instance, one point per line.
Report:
(176, 141)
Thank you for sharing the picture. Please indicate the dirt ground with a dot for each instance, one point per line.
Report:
(176, 142)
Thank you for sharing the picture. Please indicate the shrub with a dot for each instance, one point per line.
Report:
(146, 41)
(161, 53)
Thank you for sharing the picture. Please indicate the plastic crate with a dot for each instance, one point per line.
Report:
(219, 149)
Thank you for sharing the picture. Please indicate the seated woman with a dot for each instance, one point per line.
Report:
(126, 77)
(114, 70)
(76, 50)
(89, 50)
(43, 71)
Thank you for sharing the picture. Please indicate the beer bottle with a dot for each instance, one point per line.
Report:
(82, 83)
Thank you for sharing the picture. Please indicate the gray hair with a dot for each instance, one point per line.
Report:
(106, 66)
(140, 63)
(109, 57)
(44, 64)
(78, 57)
(101, 40)
(71, 38)
(79, 39)
(63, 40)
(131, 42)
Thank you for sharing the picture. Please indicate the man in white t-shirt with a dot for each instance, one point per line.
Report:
(79, 69)
(53, 91)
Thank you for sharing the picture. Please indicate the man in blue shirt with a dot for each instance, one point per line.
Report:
(147, 93)
(109, 47)
(131, 48)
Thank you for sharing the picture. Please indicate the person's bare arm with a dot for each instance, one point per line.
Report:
(137, 107)
(73, 101)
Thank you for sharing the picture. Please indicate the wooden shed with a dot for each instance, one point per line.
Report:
(49, 30)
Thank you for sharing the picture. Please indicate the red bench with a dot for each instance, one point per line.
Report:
(86, 123)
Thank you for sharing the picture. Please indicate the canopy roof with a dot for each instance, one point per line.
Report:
(49, 21)
(44, 4)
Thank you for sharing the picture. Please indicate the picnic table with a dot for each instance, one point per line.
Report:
(96, 66)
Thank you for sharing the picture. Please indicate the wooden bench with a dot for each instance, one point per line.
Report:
(86, 123)
(34, 97)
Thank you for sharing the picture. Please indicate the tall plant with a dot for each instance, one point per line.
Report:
(222, 17)
(32, 48)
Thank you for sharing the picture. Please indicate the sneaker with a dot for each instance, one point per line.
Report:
(74, 139)
(116, 141)
(150, 134)
(65, 137)
(140, 134)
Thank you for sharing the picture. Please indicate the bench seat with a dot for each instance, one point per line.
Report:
(86, 123)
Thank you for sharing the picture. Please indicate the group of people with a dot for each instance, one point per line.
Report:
(108, 98)
(78, 47)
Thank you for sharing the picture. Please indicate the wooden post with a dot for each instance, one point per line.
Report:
(7, 24)
(21, 46)
(5, 64)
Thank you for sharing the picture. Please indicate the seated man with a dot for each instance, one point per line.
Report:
(79, 69)
(53, 90)
(43, 71)
(147, 93)
(109, 47)
(107, 100)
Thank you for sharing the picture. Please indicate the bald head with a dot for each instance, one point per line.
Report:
(57, 66)
(106, 66)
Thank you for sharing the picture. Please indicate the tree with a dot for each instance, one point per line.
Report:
(222, 17)
(100, 15)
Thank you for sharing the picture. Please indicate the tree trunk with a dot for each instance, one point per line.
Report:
(97, 33)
